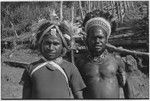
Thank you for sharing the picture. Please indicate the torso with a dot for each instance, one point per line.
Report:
(49, 83)
(100, 78)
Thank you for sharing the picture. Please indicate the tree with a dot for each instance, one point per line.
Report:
(61, 10)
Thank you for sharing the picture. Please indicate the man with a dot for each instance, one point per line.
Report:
(52, 76)
(102, 72)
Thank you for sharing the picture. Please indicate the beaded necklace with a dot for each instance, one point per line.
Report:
(99, 59)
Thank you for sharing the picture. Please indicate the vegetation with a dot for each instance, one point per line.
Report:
(19, 18)
(21, 15)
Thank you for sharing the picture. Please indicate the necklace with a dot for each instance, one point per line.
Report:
(99, 59)
(57, 60)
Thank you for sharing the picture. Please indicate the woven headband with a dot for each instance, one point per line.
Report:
(99, 22)
(60, 33)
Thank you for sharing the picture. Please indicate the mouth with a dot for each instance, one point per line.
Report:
(98, 46)
(51, 53)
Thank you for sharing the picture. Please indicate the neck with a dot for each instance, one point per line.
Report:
(98, 58)
(97, 54)
(56, 60)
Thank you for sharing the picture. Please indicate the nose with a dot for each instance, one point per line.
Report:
(97, 40)
(51, 47)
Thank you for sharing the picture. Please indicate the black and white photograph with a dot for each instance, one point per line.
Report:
(69, 50)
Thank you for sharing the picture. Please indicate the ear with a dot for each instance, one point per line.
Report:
(40, 46)
(64, 51)
(106, 40)
(86, 43)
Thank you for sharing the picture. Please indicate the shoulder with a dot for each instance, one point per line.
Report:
(33, 65)
(81, 59)
(112, 58)
(67, 64)
(69, 68)
(117, 59)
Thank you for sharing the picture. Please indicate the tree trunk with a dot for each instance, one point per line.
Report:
(128, 5)
(122, 11)
(112, 7)
(132, 5)
(89, 6)
(81, 10)
(61, 10)
(72, 13)
(102, 5)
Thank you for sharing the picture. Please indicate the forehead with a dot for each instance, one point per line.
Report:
(52, 37)
(97, 31)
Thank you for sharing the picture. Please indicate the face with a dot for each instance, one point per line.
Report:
(51, 47)
(96, 40)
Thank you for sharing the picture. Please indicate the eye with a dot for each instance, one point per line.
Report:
(100, 37)
(56, 43)
(46, 45)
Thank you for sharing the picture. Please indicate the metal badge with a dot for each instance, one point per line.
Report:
(53, 32)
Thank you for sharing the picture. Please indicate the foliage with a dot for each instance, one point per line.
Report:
(25, 14)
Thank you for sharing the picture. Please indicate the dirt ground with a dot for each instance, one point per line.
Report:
(11, 76)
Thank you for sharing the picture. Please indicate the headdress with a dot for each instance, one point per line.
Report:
(99, 21)
(54, 28)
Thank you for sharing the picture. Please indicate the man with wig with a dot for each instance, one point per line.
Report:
(102, 71)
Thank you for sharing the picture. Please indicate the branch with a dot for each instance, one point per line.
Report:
(126, 51)
(122, 36)
(16, 64)
(12, 25)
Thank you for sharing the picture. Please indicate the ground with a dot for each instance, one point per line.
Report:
(11, 76)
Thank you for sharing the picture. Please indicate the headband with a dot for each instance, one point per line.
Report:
(99, 21)
(62, 36)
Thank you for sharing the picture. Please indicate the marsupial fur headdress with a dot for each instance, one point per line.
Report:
(54, 27)
(100, 18)
(99, 21)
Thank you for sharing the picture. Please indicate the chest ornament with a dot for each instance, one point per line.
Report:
(99, 59)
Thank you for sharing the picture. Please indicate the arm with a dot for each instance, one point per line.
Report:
(127, 89)
(78, 95)
(27, 86)
(122, 79)
(127, 82)
(76, 83)
(121, 73)
(131, 66)
(26, 92)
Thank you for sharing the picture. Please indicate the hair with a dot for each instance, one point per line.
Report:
(99, 13)
(41, 29)
(63, 28)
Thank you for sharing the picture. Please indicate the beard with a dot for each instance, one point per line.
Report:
(96, 51)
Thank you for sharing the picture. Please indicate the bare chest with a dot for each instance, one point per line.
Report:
(107, 69)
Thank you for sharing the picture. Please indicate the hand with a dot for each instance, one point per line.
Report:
(124, 78)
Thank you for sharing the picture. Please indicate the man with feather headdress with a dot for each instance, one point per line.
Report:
(52, 76)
